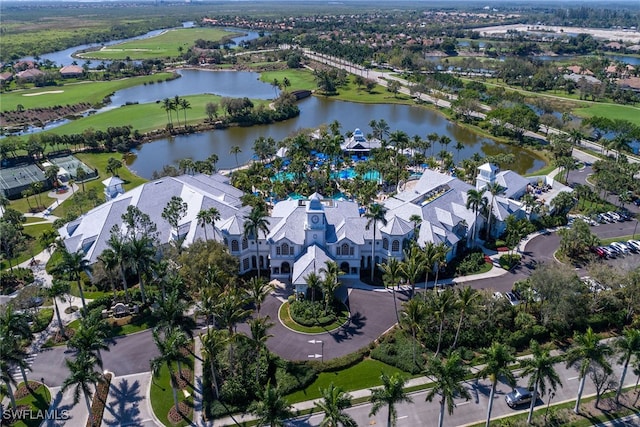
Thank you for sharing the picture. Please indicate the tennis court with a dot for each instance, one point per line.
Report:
(71, 165)
(16, 179)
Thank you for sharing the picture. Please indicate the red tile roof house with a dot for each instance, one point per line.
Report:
(30, 74)
(69, 71)
(5, 77)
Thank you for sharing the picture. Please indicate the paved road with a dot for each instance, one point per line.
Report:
(129, 354)
(422, 413)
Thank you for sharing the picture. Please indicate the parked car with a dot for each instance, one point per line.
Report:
(624, 216)
(604, 218)
(519, 396)
(621, 247)
(599, 250)
(615, 216)
(611, 253)
(511, 297)
(634, 245)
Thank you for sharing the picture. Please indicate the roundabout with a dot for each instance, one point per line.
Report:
(285, 318)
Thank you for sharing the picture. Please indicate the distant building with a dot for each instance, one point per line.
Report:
(30, 74)
(71, 71)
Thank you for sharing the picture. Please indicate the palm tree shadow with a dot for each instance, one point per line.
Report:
(478, 388)
(124, 408)
(56, 405)
(353, 327)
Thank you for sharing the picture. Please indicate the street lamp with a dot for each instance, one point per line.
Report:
(316, 356)
(552, 394)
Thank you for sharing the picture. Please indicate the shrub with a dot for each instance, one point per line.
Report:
(396, 349)
(12, 280)
(291, 376)
(509, 260)
(343, 362)
(309, 313)
(470, 264)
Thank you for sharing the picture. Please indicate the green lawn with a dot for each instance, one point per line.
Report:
(74, 93)
(165, 45)
(365, 374)
(611, 111)
(78, 203)
(285, 317)
(37, 400)
(299, 79)
(162, 397)
(31, 245)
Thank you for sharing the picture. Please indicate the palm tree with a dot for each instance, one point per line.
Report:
(440, 305)
(74, 264)
(82, 377)
(257, 290)
(416, 220)
(90, 338)
(166, 105)
(375, 214)
(58, 288)
(495, 189)
(175, 104)
(586, 351)
(213, 343)
(259, 328)
(477, 203)
(14, 328)
(629, 346)
(331, 283)
(391, 275)
(141, 252)
(170, 347)
(184, 106)
(334, 402)
(434, 255)
(272, 408)
(390, 394)
(235, 150)
(447, 377)
(171, 313)
(12, 355)
(255, 223)
(412, 316)
(203, 219)
(413, 266)
(467, 298)
(230, 309)
(497, 359)
(540, 369)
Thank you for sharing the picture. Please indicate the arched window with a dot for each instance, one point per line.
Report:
(395, 246)
(234, 246)
(344, 249)
(285, 268)
(344, 267)
(285, 249)
(245, 243)
(385, 243)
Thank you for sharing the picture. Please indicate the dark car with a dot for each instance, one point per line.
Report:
(519, 396)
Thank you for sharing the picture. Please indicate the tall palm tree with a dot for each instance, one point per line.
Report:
(540, 368)
(230, 309)
(120, 248)
(170, 345)
(587, 350)
(90, 337)
(171, 313)
(184, 106)
(272, 408)
(447, 376)
(413, 266)
(213, 342)
(391, 275)
(203, 219)
(259, 328)
(433, 256)
(466, 300)
(390, 394)
(141, 252)
(14, 331)
(82, 377)
(494, 189)
(12, 355)
(257, 290)
(412, 316)
(375, 214)
(629, 346)
(74, 264)
(497, 359)
(331, 282)
(235, 150)
(334, 402)
(440, 305)
(109, 261)
(166, 105)
(477, 203)
(58, 288)
(254, 223)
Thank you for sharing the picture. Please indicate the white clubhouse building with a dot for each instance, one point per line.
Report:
(304, 234)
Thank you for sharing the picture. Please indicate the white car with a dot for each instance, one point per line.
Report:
(621, 247)
(634, 245)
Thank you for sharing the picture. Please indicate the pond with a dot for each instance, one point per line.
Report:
(314, 112)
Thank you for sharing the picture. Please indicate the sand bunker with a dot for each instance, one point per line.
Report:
(43, 93)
